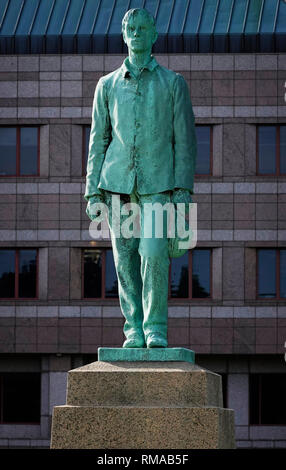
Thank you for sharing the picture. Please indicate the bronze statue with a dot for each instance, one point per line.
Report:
(143, 148)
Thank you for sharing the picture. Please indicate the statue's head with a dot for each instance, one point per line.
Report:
(139, 30)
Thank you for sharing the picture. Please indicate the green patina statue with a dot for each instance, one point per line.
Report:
(143, 148)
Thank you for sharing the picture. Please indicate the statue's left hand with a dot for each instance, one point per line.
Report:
(91, 208)
(182, 196)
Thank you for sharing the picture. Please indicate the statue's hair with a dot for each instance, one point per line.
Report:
(133, 12)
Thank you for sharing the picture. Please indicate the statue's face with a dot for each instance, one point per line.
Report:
(139, 34)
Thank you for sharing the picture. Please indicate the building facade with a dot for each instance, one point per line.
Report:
(58, 291)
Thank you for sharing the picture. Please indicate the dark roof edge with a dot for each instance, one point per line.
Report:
(113, 44)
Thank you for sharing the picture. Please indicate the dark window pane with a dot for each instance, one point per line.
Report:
(201, 273)
(224, 389)
(7, 273)
(111, 288)
(92, 273)
(266, 149)
(8, 151)
(254, 399)
(283, 149)
(29, 151)
(86, 146)
(180, 276)
(267, 273)
(203, 134)
(28, 273)
(273, 392)
(283, 273)
(21, 397)
(267, 399)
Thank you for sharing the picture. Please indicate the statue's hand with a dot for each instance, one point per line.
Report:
(181, 195)
(91, 208)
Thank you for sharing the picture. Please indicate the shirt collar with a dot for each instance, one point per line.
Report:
(126, 70)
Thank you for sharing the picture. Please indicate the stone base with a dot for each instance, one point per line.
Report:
(143, 405)
(87, 427)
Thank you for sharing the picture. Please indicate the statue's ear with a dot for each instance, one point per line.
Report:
(123, 34)
(155, 36)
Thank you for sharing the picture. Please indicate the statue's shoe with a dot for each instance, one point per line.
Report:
(134, 341)
(155, 340)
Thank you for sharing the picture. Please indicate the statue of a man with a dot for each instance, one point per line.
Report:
(142, 147)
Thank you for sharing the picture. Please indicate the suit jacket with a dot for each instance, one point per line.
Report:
(141, 128)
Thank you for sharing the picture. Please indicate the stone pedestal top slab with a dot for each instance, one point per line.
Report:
(153, 383)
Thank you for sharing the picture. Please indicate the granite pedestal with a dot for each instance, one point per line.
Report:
(143, 404)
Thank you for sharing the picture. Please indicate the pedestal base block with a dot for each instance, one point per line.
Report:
(87, 427)
(143, 405)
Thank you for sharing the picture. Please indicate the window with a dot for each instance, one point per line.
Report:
(19, 151)
(204, 150)
(267, 399)
(271, 150)
(100, 279)
(18, 274)
(271, 273)
(85, 145)
(204, 136)
(194, 286)
(20, 397)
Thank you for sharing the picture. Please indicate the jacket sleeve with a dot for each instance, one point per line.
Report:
(184, 138)
(98, 141)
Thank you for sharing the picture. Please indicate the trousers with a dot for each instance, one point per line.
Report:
(142, 267)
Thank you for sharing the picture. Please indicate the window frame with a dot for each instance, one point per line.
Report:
(103, 269)
(277, 271)
(190, 283)
(18, 157)
(16, 286)
(277, 150)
